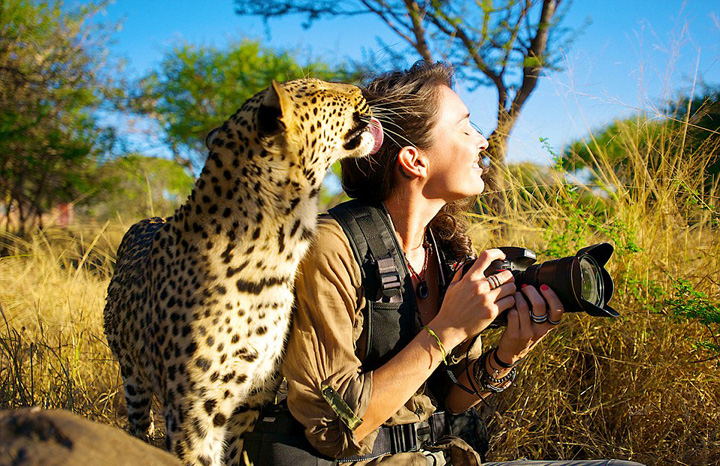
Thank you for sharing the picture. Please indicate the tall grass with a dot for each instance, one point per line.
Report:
(53, 352)
(640, 386)
(643, 386)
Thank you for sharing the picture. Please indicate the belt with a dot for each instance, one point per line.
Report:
(405, 437)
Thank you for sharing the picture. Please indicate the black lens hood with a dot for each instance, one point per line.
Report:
(601, 253)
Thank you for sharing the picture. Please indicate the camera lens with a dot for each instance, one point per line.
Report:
(580, 281)
(591, 281)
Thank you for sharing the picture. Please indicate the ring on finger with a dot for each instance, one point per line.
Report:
(553, 322)
(493, 281)
(539, 319)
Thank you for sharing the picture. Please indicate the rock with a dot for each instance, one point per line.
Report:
(34, 437)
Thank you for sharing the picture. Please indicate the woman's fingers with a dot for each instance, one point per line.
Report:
(555, 306)
(506, 289)
(524, 331)
(538, 308)
(477, 271)
(523, 308)
(505, 303)
(513, 319)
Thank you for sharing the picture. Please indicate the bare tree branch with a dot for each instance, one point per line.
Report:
(417, 16)
(515, 30)
(384, 14)
(535, 57)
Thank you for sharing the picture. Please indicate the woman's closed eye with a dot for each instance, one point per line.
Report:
(467, 128)
(477, 128)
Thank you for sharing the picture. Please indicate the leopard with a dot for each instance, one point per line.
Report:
(199, 306)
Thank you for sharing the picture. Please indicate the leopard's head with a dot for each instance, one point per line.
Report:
(311, 123)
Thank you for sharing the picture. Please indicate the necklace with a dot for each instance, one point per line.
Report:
(422, 290)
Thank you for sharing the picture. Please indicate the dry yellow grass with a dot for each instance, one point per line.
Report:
(53, 352)
(634, 387)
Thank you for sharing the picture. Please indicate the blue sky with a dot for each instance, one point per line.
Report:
(633, 55)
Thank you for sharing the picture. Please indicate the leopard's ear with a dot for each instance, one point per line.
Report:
(275, 112)
(211, 137)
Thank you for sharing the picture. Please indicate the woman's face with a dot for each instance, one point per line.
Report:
(454, 159)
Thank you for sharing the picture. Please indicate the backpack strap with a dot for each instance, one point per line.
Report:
(370, 235)
(390, 310)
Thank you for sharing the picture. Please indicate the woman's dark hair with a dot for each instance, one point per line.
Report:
(406, 103)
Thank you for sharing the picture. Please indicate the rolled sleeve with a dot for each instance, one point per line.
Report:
(321, 352)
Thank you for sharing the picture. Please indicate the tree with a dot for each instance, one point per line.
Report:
(51, 82)
(195, 89)
(506, 45)
(136, 186)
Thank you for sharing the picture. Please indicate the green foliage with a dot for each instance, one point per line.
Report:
(617, 143)
(688, 304)
(51, 83)
(643, 293)
(585, 214)
(690, 131)
(136, 186)
(195, 89)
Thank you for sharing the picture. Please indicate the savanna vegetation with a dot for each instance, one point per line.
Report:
(643, 386)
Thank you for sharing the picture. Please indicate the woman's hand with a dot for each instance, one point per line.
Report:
(471, 302)
(522, 332)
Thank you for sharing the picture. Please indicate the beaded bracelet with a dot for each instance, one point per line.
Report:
(443, 353)
(488, 381)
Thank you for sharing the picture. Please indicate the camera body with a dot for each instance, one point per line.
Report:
(580, 281)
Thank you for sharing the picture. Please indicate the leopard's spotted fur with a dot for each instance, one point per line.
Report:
(199, 306)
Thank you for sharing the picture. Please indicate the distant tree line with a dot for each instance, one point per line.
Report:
(56, 79)
(52, 82)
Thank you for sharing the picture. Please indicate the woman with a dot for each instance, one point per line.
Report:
(429, 162)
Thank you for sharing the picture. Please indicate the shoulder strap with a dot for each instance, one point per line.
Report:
(369, 233)
(391, 317)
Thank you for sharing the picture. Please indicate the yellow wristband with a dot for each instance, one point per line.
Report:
(443, 353)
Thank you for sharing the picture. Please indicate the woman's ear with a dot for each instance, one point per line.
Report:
(412, 163)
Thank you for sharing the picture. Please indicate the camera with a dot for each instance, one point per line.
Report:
(580, 281)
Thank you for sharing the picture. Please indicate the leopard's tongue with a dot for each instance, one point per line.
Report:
(376, 130)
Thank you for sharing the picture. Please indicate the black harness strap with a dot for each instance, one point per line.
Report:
(391, 310)
(374, 245)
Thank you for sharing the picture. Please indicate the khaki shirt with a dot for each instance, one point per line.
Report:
(326, 338)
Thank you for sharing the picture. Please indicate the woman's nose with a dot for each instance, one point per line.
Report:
(483, 142)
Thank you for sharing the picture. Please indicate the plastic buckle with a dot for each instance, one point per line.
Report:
(403, 438)
(389, 276)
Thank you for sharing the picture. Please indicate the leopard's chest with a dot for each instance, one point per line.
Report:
(233, 299)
